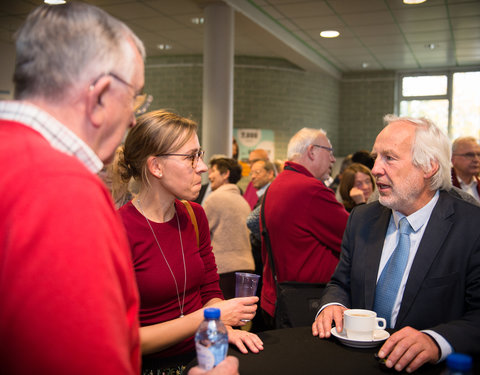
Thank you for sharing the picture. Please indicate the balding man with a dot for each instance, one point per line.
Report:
(466, 165)
(304, 219)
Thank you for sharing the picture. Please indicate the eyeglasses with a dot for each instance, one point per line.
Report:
(329, 149)
(141, 101)
(470, 155)
(195, 157)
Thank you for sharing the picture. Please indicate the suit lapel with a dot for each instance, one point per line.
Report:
(435, 234)
(376, 239)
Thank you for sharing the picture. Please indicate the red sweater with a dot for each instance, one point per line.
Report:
(158, 296)
(68, 299)
(306, 224)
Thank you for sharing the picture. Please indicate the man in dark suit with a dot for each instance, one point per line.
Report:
(435, 308)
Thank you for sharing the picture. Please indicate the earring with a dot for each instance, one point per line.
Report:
(159, 175)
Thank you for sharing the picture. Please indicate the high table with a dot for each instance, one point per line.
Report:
(296, 351)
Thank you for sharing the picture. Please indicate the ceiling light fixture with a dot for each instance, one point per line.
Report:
(54, 2)
(329, 34)
(430, 46)
(413, 2)
(164, 47)
(365, 65)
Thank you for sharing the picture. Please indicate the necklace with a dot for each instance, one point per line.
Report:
(180, 305)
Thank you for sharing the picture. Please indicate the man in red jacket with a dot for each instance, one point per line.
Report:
(69, 302)
(304, 220)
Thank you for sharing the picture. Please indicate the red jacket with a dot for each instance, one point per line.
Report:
(306, 224)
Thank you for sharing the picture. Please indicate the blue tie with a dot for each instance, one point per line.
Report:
(391, 277)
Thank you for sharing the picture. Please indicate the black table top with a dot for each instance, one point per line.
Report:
(296, 351)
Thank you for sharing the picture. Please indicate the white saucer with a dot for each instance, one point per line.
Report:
(379, 336)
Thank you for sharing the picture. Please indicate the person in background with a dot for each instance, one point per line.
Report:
(356, 186)
(347, 160)
(69, 302)
(426, 288)
(175, 269)
(206, 188)
(262, 173)
(466, 165)
(304, 219)
(234, 149)
(363, 157)
(227, 213)
(250, 194)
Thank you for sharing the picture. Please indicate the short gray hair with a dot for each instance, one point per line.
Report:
(301, 140)
(430, 144)
(61, 47)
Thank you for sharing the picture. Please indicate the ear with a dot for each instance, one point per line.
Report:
(226, 175)
(96, 110)
(310, 153)
(431, 172)
(154, 167)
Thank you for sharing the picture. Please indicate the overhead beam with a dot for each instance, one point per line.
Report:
(285, 36)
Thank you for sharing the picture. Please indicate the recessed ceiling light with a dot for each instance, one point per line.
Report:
(411, 2)
(365, 65)
(198, 20)
(164, 47)
(329, 34)
(54, 2)
(430, 46)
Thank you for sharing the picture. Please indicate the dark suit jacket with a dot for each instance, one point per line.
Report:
(443, 289)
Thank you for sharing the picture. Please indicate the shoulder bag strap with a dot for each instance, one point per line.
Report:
(189, 208)
(266, 238)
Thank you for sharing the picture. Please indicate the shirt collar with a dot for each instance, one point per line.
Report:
(261, 191)
(420, 217)
(57, 134)
(465, 186)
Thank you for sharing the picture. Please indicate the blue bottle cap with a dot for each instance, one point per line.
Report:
(459, 362)
(211, 313)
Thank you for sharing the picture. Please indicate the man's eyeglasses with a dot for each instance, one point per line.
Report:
(329, 149)
(141, 101)
(195, 157)
(470, 155)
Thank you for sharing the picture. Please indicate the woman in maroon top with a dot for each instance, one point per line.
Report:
(176, 274)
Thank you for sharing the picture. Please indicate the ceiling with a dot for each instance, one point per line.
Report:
(374, 34)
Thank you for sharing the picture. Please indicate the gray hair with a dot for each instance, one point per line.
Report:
(430, 145)
(301, 140)
(62, 47)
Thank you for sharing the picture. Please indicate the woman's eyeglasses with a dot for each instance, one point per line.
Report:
(194, 157)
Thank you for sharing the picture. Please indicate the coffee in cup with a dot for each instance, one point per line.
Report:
(361, 324)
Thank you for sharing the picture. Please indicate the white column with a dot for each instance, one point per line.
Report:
(218, 62)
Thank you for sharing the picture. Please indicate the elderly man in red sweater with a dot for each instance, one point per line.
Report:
(304, 220)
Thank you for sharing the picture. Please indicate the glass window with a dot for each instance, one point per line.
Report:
(451, 100)
(435, 110)
(424, 85)
(466, 105)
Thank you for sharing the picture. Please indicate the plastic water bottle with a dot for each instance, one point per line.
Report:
(459, 364)
(211, 340)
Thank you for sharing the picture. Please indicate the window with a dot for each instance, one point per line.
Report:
(451, 100)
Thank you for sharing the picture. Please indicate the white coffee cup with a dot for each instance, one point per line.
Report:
(361, 324)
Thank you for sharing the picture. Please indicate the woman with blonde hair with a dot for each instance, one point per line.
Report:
(170, 241)
(356, 186)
